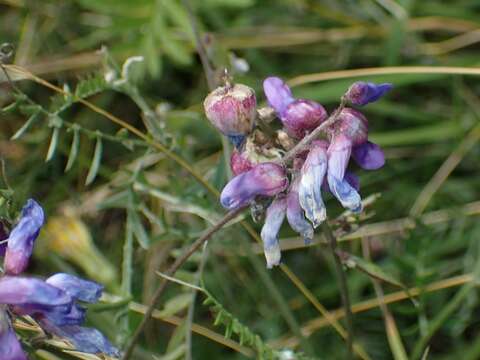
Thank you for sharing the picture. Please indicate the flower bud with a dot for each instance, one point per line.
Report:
(232, 109)
(351, 124)
(83, 290)
(298, 116)
(22, 238)
(361, 93)
(302, 116)
(266, 179)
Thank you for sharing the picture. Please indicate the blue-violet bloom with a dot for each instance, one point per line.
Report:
(267, 179)
(295, 214)
(10, 347)
(22, 237)
(361, 93)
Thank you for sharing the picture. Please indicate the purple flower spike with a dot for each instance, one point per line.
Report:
(84, 339)
(83, 290)
(266, 179)
(295, 215)
(10, 347)
(369, 156)
(338, 156)
(298, 116)
(22, 238)
(310, 187)
(273, 222)
(361, 93)
(232, 109)
(278, 94)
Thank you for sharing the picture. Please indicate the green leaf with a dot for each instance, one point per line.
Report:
(176, 304)
(138, 229)
(26, 126)
(369, 268)
(53, 144)
(72, 156)
(97, 156)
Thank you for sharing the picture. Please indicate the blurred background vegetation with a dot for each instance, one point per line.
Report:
(128, 205)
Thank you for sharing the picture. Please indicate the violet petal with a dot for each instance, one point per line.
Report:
(369, 156)
(10, 347)
(295, 215)
(76, 287)
(22, 238)
(273, 222)
(266, 179)
(278, 94)
(310, 187)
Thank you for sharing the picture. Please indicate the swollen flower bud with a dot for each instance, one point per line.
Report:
(351, 124)
(232, 109)
(361, 93)
(22, 238)
(302, 116)
(267, 179)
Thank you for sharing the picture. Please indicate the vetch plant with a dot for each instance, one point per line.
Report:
(317, 152)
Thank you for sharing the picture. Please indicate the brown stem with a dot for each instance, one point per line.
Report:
(170, 272)
(332, 241)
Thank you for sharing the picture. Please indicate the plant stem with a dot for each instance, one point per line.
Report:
(170, 272)
(332, 241)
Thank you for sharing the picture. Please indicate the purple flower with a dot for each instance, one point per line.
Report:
(295, 215)
(273, 222)
(239, 162)
(298, 116)
(10, 347)
(30, 295)
(338, 156)
(232, 110)
(266, 179)
(361, 93)
(83, 290)
(312, 177)
(369, 156)
(22, 238)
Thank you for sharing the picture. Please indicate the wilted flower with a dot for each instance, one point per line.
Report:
(22, 237)
(273, 222)
(361, 93)
(232, 110)
(295, 214)
(299, 116)
(266, 179)
(310, 188)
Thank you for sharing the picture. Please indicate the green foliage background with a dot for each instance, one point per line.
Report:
(142, 206)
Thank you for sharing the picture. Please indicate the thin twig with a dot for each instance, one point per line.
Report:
(171, 271)
(332, 241)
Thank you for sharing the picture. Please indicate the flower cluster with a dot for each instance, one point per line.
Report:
(294, 192)
(55, 303)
